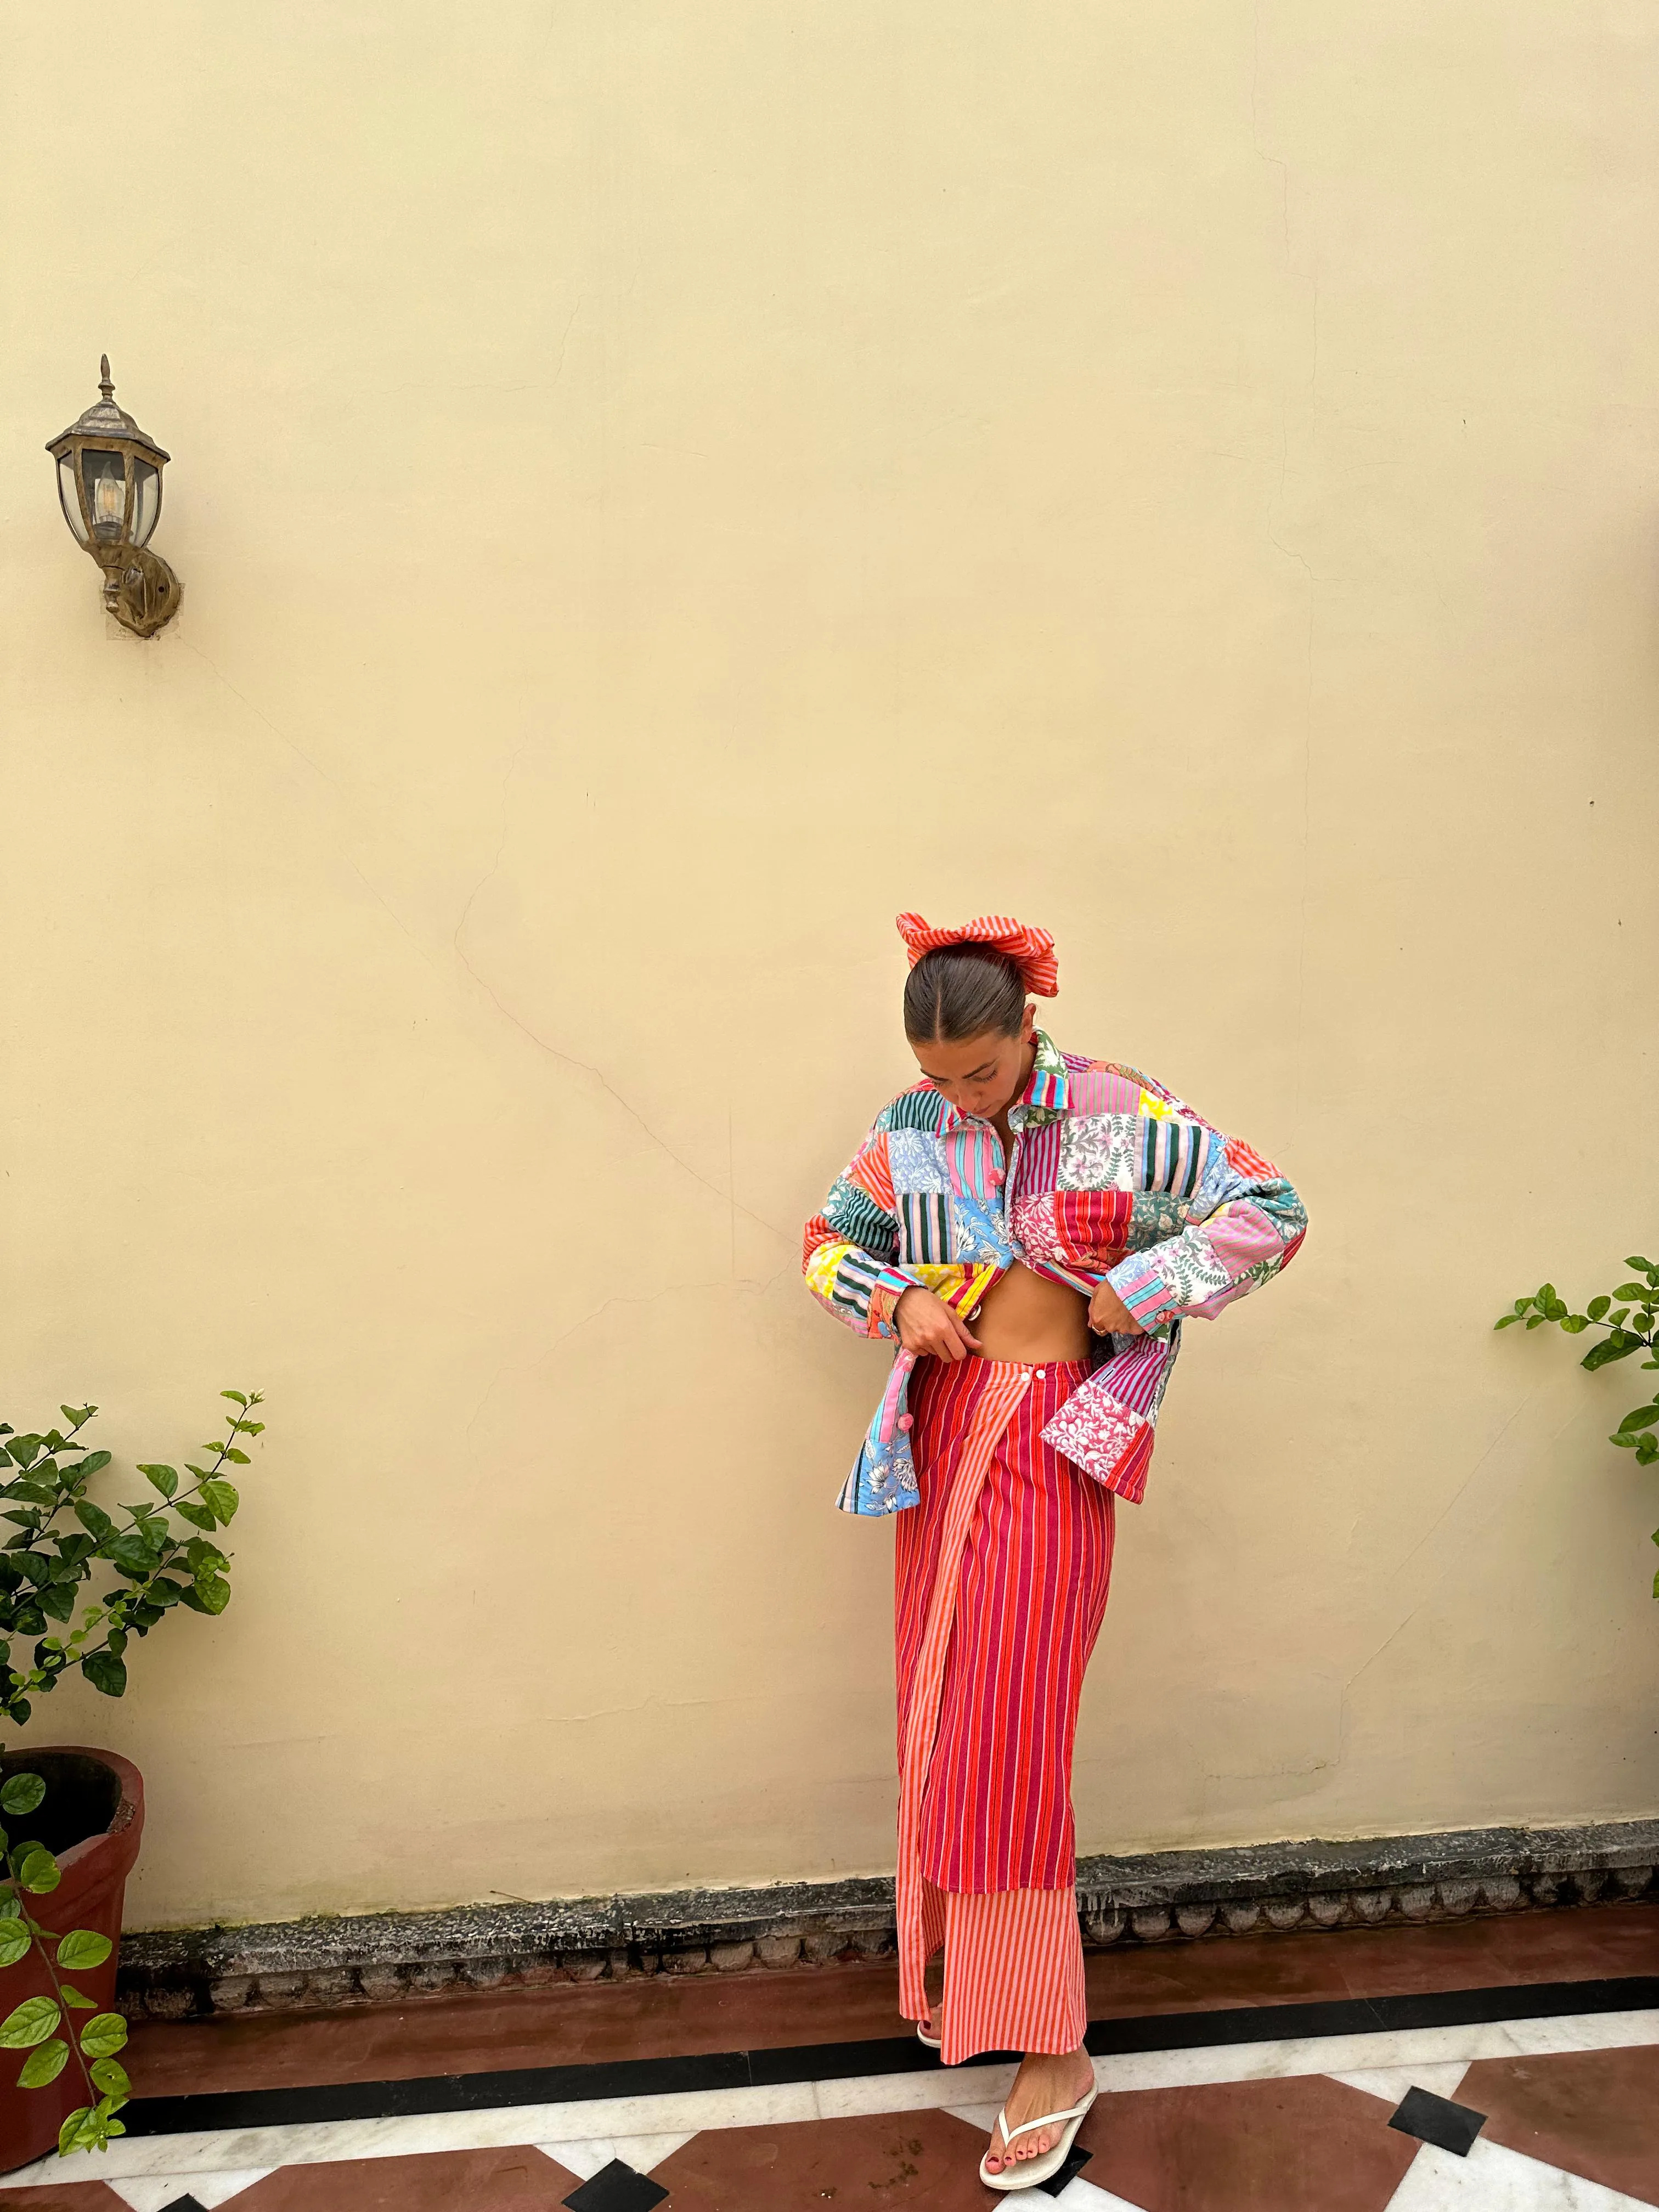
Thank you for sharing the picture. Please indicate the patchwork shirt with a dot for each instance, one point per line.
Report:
(1111, 1179)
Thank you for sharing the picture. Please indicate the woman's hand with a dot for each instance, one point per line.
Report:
(1108, 1315)
(927, 1328)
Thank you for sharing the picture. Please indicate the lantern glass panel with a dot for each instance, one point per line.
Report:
(147, 502)
(68, 499)
(105, 476)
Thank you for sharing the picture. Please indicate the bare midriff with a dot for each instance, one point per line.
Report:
(1026, 1316)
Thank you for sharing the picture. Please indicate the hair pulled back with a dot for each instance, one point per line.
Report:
(962, 991)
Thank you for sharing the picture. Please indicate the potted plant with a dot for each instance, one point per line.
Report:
(1630, 1315)
(71, 1817)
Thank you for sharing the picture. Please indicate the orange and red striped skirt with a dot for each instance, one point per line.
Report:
(1001, 1576)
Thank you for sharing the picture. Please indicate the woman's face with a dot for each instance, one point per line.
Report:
(981, 1075)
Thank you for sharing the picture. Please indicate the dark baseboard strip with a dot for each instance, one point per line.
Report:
(825, 2061)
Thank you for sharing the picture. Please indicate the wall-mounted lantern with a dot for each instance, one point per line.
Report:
(109, 480)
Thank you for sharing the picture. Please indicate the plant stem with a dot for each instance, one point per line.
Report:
(63, 2010)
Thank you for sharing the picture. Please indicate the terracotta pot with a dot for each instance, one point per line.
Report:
(91, 1821)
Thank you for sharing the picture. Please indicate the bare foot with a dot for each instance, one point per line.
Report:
(934, 1991)
(1044, 2084)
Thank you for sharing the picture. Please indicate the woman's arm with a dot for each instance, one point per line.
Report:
(1247, 1223)
(849, 1247)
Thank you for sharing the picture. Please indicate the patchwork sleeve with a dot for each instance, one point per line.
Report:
(1244, 1224)
(848, 1249)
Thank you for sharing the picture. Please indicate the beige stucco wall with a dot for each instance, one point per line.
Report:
(658, 489)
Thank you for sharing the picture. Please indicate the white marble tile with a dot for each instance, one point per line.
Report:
(682, 2114)
(1391, 2083)
(155, 2192)
(585, 2157)
(1082, 2195)
(940, 2086)
(1409, 2048)
(1494, 2179)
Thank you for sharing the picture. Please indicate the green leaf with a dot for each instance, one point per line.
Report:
(238, 1458)
(94, 1519)
(1631, 1291)
(33, 2020)
(1536, 1321)
(210, 1595)
(1635, 1259)
(201, 1554)
(58, 1600)
(1508, 1321)
(80, 2131)
(164, 1478)
(82, 1947)
(36, 1870)
(236, 1397)
(30, 1492)
(14, 1942)
(198, 1515)
(45, 2064)
(72, 1996)
(130, 1554)
(1643, 1418)
(1574, 1324)
(94, 1463)
(106, 1672)
(105, 2033)
(22, 1794)
(1609, 1349)
(1648, 1451)
(1598, 1307)
(111, 2077)
(221, 1498)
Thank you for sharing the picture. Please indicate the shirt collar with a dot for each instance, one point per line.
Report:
(1048, 1093)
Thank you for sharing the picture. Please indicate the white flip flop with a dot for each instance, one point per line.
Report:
(1030, 2172)
(933, 2041)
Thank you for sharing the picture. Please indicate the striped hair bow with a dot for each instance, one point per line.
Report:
(1031, 951)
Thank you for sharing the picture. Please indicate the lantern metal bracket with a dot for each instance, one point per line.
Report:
(140, 590)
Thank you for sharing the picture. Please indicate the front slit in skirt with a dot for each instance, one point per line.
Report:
(1001, 1575)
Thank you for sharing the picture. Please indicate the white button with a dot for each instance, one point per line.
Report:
(1039, 1375)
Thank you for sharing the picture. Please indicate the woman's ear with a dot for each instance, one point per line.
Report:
(1029, 1036)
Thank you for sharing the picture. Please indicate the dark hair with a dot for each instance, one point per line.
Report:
(961, 991)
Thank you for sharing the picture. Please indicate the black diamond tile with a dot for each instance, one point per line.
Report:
(184, 2205)
(1436, 2120)
(617, 2188)
(1075, 2161)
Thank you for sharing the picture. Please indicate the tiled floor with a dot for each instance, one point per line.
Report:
(1258, 2074)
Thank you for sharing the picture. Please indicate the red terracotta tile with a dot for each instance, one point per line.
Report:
(70, 2196)
(1594, 2113)
(921, 2161)
(519, 2179)
(1307, 2145)
(576, 2022)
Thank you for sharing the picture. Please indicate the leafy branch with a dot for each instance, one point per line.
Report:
(1630, 1315)
(61, 1533)
(31, 1871)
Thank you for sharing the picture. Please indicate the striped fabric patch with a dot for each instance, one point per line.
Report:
(853, 1214)
(924, 1226)
(920, 1109)
(1172, 1155)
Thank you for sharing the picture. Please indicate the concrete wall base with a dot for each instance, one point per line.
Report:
(1147, 1898)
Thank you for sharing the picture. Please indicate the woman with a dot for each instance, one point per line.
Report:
(1033, 1228)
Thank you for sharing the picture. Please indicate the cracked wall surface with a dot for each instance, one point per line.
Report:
(659, 491)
